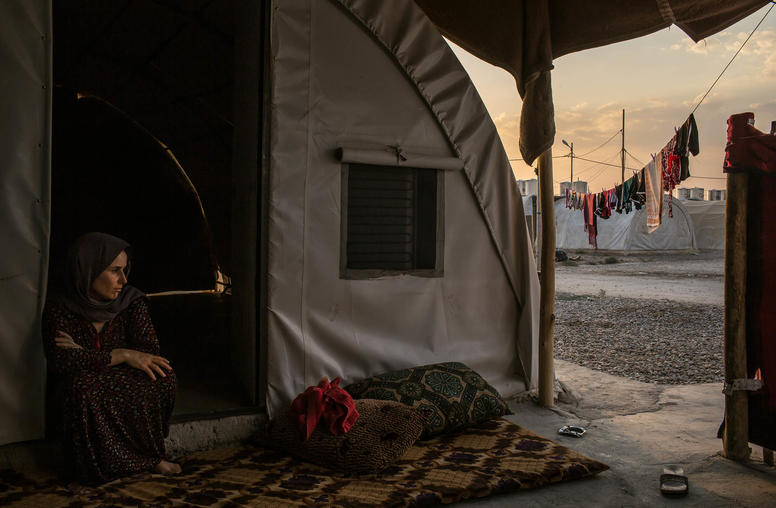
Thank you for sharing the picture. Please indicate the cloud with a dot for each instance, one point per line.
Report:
(769, 67)
(725, 44)
(507, 124)
(761, 43)
(707, 46)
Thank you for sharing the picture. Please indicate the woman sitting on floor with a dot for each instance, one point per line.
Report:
(101, 345)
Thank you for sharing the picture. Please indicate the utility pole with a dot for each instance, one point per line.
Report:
(623, 147)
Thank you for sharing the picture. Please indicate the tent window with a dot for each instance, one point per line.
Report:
(392, 221)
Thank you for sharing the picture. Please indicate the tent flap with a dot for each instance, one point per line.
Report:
(25, 127)
(524, 36)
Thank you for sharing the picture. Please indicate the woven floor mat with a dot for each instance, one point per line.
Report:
(491, 458)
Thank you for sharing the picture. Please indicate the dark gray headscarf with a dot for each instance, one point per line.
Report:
(87, 258)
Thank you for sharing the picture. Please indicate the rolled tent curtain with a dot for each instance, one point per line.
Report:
(25, 133)
(524, 36)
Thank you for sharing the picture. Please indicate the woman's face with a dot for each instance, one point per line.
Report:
(108, 285)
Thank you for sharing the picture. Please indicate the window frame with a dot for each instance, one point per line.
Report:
(374, 273)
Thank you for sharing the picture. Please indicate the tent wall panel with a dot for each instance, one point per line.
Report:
(25, 135)
(626, 231)
(708, 220)
(357, 96)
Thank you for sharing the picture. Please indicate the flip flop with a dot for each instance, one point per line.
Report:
(673, 482)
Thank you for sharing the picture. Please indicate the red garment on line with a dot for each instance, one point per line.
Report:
(588, 211)
(327, 402)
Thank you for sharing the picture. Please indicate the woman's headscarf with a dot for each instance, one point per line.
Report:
(87, 258)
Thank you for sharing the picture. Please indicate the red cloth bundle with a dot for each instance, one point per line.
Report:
(327, 402)
(748, 148)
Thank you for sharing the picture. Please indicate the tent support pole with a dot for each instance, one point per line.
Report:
(736, 436)
(547, 280)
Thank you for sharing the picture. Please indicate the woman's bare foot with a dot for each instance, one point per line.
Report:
(167, 468)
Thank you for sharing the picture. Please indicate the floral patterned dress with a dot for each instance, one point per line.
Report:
(115, 418)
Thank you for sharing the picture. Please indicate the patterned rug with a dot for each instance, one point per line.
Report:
(491, 458)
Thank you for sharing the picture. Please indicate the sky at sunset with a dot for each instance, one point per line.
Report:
(657, 79)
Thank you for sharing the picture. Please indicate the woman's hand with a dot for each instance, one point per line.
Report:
(148, 363)
(66, 341)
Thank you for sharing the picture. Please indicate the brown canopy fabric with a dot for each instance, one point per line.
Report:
(524, 36)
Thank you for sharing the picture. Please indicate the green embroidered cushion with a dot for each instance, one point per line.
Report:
(452, 394)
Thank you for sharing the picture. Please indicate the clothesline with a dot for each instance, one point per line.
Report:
(694, 109)
(668, 168)
(733, 58)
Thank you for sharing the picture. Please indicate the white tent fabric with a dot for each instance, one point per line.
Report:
(708, 220)
(25, 130)
(626, 232)
(354, 75)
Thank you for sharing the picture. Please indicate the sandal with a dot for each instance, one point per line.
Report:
(673, 482)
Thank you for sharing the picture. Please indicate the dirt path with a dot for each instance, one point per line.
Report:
(689, 278)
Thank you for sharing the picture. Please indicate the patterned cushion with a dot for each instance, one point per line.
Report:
(382, 433)
(453, 395)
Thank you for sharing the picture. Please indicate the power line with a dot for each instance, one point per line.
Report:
(773, 4)
(634, 158)
(586, 153)
(606, 164)
(554, 157)
(595, 165)
(599, 146)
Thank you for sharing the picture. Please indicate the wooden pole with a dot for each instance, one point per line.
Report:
(547, 298)
(736, 436)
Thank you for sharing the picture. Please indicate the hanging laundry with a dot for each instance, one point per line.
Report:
(627, 204)
(640, 190)
(588, 211)
(686, 144)
(654, 194)
(612, 200)
(670, 166)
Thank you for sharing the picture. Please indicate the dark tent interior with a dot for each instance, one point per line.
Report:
(143, 133)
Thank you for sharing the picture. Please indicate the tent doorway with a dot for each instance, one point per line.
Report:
(156, 133)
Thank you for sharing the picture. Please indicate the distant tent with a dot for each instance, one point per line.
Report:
(626, 231)
(708, 220)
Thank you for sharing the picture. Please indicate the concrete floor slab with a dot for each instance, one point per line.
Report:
(637, 429)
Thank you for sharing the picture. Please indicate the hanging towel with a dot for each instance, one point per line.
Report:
(654, 194)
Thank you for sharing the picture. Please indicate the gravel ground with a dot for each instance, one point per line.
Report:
(654, 341)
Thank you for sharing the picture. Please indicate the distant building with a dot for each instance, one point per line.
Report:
(528, 187)
(579, 186)
(717, 194)
(694, 194)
